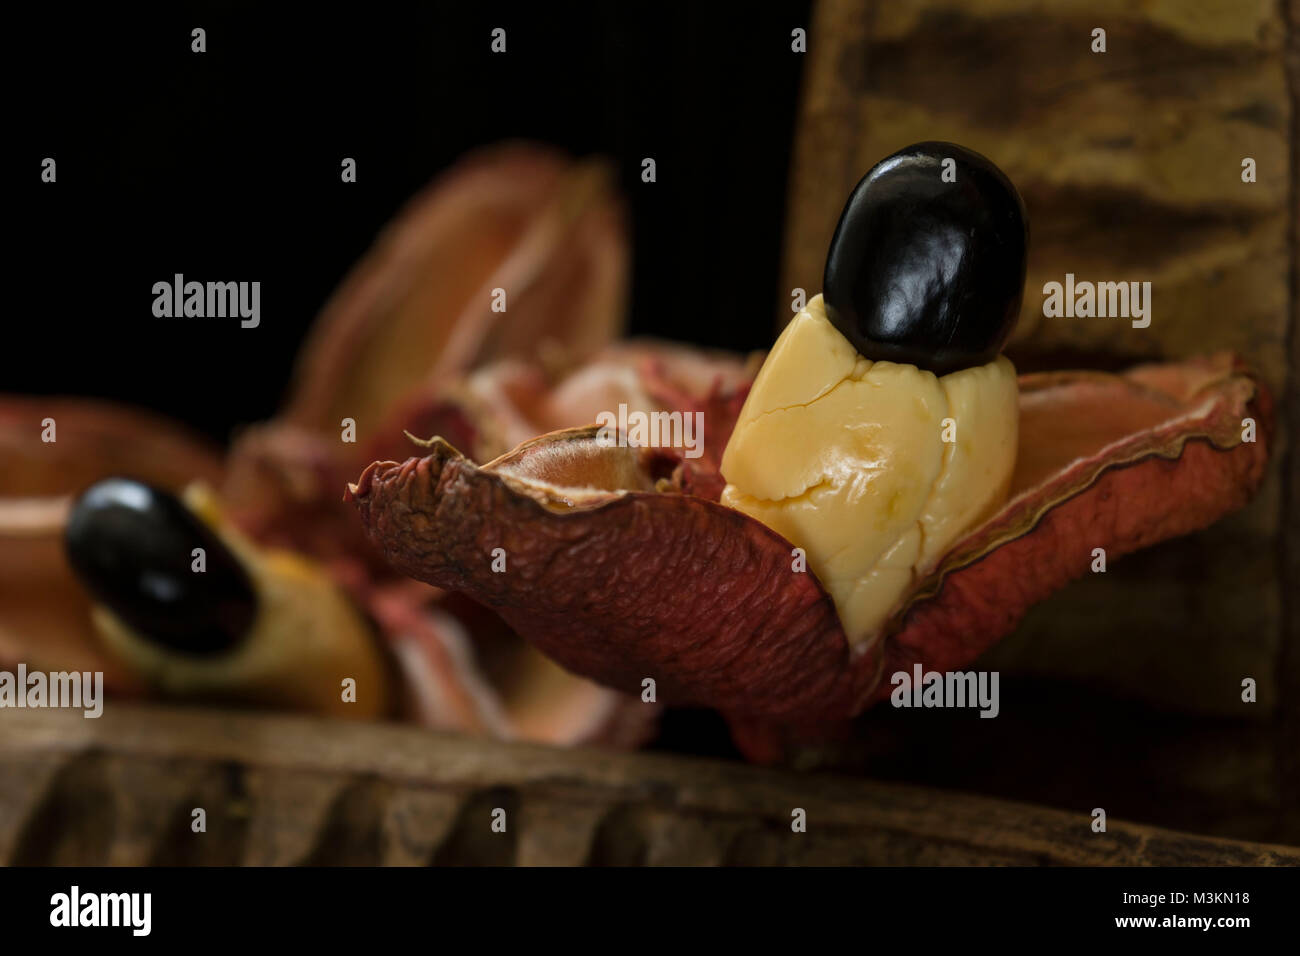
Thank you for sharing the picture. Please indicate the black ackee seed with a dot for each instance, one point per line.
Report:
(927, 272)
(132, 546)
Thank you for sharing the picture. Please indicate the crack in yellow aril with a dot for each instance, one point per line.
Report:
(847, 459)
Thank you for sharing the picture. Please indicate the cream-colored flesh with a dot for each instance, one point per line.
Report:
(847, 459)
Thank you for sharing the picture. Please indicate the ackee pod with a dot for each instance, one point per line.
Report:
(133, 547)
(927, 264)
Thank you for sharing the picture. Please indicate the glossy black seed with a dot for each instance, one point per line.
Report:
(132, 546)
(927, 272)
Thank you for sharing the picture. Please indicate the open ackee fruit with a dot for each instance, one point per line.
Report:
(230, 627)
(98, 528)
(627, 563)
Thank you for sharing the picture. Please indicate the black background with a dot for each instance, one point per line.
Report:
(225, 166)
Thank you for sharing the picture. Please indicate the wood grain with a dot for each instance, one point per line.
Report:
(1288, 743)
(1130, 166)
(294, 790)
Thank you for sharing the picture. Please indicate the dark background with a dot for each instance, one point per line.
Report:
(225, 166)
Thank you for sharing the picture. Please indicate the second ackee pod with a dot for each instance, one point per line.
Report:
(199, 612)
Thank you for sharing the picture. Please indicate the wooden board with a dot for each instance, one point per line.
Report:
(1130, 165)
(295, 790)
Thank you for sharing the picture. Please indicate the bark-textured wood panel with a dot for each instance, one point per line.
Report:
(1129, 161)
(1289, 667)
(294, 790)
(1130, 164)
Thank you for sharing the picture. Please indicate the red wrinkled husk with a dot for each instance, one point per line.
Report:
(620, 575)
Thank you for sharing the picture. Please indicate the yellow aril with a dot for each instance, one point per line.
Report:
(846, 458)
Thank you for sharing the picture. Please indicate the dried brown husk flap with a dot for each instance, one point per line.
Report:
(610, 568)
